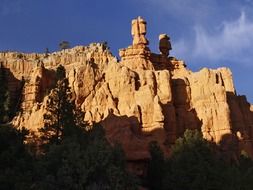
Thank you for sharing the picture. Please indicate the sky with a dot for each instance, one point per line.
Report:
(204, 33)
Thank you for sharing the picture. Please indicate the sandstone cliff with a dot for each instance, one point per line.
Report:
(142, 98)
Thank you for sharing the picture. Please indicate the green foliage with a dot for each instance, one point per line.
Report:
(47, 52)
(87, 163)
(64, 45)
(20, 56)
(5, 100)
(105, 45)
(59, 119)
(60, 73)
(156, 167)
(194, 164)
(16, 165)
(8, 105)
(106, 164)
(77, 157)
(83, 159)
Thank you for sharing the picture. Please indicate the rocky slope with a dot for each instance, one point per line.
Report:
(142, 98)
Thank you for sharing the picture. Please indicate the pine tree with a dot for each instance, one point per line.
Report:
(59, 119)
(64, 45)
(194, 163)
(5, 102)
(92, 164)
(16, 165)
(76, 157)
(156, 169)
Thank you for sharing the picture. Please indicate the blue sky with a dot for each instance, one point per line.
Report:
(204, 33)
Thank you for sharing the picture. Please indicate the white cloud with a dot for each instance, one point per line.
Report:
(181, 48)
(209, 35)
(232, 42)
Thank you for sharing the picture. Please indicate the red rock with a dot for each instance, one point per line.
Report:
(142, 98)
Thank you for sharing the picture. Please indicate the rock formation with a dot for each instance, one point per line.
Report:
(142, 98)
(164, 44)
(139, 31)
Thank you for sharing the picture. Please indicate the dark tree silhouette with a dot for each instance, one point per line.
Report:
(64, 45)
(16, 165)
(59, 117)
(5, 99)
(156, 167)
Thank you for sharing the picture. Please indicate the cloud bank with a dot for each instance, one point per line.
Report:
(214, 31)
(232, 42)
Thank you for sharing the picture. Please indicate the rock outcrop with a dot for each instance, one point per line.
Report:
(142, 98)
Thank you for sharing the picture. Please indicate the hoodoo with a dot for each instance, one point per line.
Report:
(142, 98)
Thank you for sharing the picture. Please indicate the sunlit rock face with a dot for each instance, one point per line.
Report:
(143, 97)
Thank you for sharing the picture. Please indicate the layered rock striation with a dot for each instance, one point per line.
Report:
(143, 97)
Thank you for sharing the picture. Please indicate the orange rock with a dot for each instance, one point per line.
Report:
(142, 98)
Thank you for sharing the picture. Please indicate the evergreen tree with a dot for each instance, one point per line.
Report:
(156, 167)
(107, 164)
(16, 165)
(193, 162)
(59, 119)
(5, 100)
(60, 73)
(47, 52)
(87, 163)
(64, 45)
(77, 157)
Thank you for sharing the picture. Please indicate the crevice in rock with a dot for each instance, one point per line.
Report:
(140, 113)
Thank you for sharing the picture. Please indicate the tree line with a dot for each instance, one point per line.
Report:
(198, 164)
(69, 154)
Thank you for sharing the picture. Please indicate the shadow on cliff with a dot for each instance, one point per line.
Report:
(134, 139)
(128, 131)
(231, 144)
(178, 116)
(15, 87)
(228, 148)
(186, 116)
(241, 121)
(93, 64)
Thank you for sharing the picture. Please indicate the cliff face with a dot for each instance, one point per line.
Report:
(142, 98)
